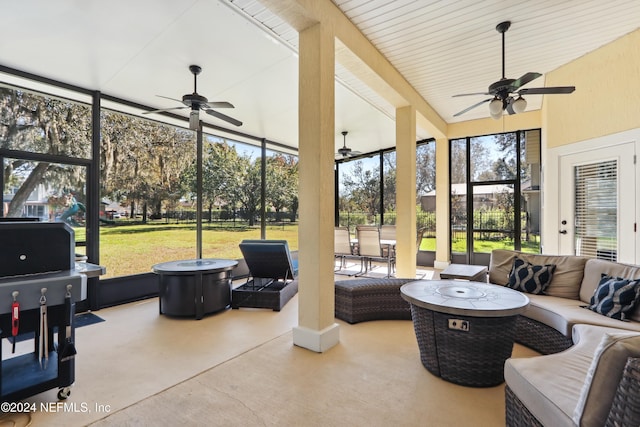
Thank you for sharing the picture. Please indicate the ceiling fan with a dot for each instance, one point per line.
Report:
(504, 90)
(198, 102)
(345, 152)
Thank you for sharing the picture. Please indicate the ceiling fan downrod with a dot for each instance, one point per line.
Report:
(502, 28)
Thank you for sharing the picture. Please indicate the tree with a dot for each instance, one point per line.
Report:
(363, 187)
(282, 183)
(34, 123)
(219, 164)
(389, 174)
(144, 162)
(246, 190)
(425, 169)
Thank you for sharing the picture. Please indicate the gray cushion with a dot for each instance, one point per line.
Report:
(603, 376)
(549, 386)
(567, 276)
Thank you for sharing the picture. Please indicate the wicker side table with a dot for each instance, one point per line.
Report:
(465, 331)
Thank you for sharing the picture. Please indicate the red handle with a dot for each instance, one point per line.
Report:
(15, 318)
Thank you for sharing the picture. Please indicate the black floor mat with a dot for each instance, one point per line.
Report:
(82, 319)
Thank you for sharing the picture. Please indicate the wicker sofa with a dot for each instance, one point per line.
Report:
(588, 374)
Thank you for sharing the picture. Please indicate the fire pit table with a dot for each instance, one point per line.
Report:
(465, 330)
(194, 286)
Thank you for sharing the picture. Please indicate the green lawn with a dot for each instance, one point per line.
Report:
(134, 249)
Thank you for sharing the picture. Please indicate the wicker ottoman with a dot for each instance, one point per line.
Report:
(359, 300)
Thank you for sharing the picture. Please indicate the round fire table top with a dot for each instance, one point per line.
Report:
(465, 298)
(202, 265)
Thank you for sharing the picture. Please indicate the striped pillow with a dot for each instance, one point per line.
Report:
(615, 297)
(526, 277)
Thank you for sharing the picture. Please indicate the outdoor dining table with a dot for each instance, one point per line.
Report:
(383, 242)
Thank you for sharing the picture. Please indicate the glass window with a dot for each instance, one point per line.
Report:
(282, 198)
(426, 194)
(37, 123)
(148, 210)
(493, 217)
(493, 157)
(458, 213)
(389, 185)
(596, 209)
(504, 178)
(530, 191)
(48, 192)
(359, 192)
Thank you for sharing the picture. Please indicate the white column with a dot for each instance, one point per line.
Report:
(316, 328)
(406, 192)
(442, 204)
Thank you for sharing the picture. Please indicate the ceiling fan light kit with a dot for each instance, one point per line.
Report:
(503, 90)
(519, 105)
(495, 107)
(194, 120)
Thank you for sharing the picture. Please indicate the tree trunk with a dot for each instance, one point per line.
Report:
(22, 195)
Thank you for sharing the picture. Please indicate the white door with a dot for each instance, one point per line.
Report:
(597, 203)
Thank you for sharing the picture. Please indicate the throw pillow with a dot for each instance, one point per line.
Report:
(615, 297)
(526, 277)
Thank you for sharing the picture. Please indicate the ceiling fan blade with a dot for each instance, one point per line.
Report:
(526, 78)
(163, 110)
(224, 117)
(470, 94)
(220, 104)
(472, 107)
(173, 99)
(547, 90)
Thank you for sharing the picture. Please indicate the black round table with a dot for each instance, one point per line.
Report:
(194, 287)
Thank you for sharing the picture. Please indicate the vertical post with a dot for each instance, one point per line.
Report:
(93, 190)
(199, 190)
(381, 183)
(336, 198)
(316, 328)
(93, 203)
(263, 189)
(406, 192)
(443, 192)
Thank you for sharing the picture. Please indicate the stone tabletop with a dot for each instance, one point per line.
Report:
(465, 298)
(195, 265)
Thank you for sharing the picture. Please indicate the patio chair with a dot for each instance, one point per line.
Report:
(369, 249)
(269, 260)
(272, 272)
(387, 232)
(343, 250)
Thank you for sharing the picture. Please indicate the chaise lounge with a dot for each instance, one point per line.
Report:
(272, 275)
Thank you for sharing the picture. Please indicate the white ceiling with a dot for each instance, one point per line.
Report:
(136, 50)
